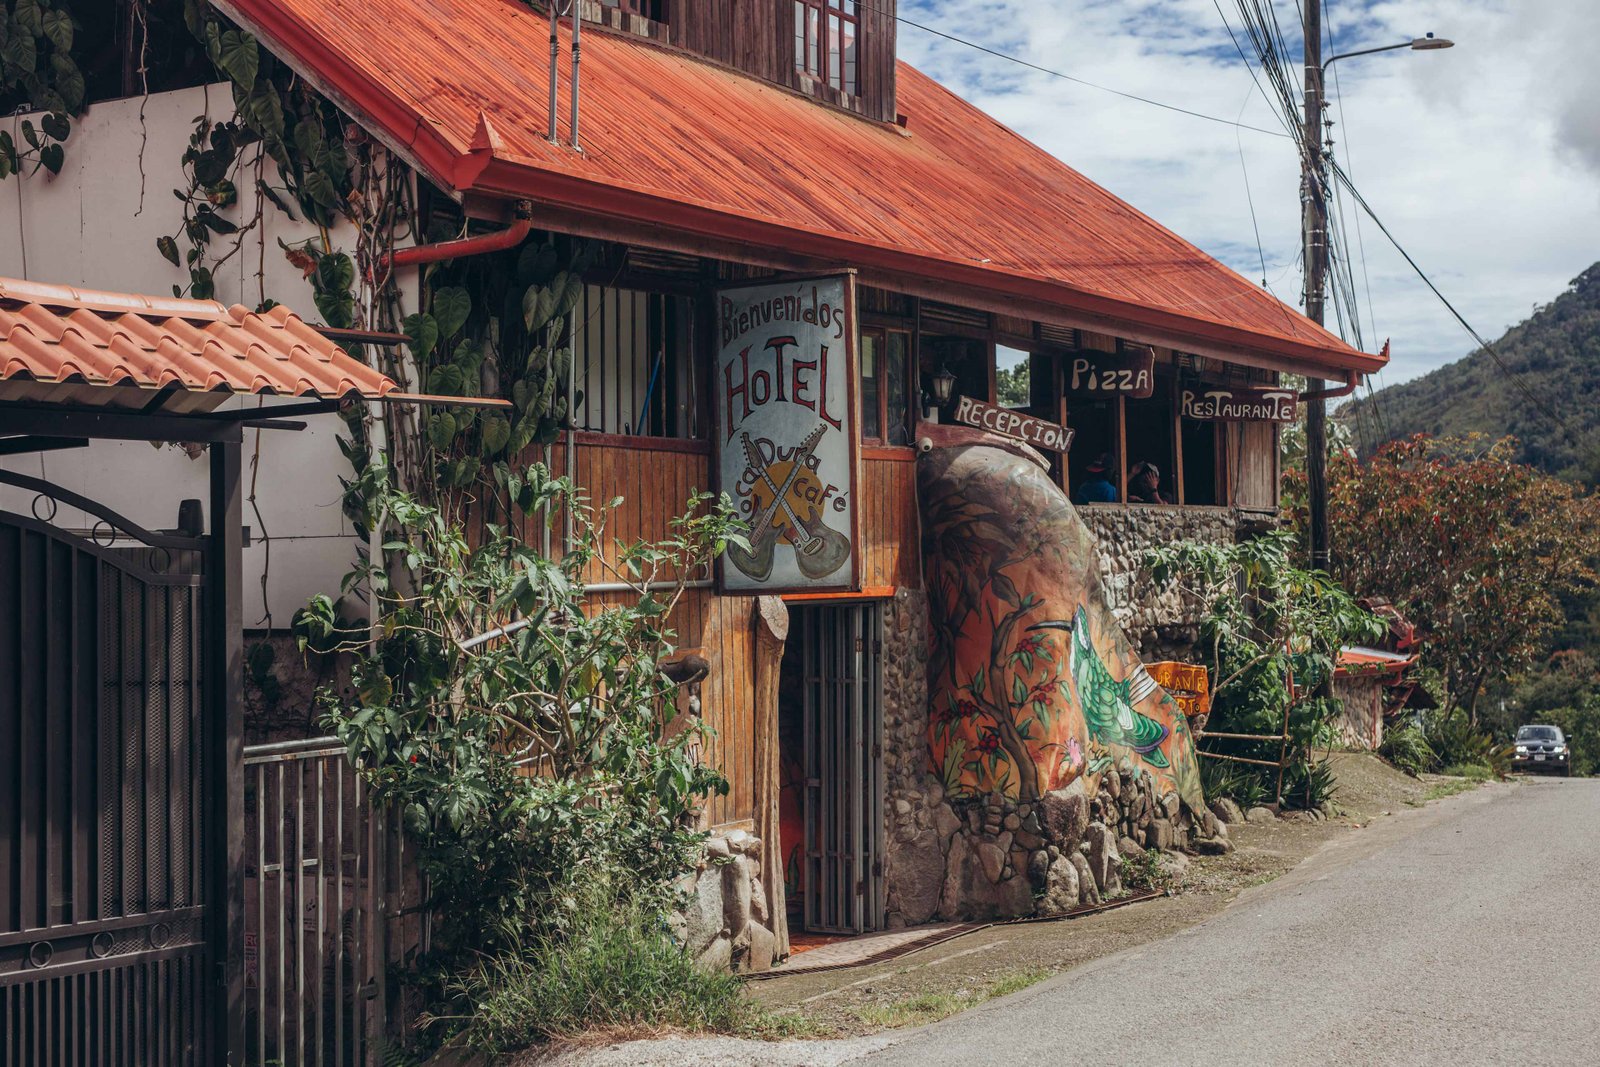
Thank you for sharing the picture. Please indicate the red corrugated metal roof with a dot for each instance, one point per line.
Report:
(58, 334)
(461, 88)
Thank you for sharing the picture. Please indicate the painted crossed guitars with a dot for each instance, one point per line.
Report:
(819, 549)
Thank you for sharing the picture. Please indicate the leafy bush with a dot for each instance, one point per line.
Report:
(1239, 782)
(1309, 784)
(613, 967)
(1407, 748)
(522, 738)
(1270, 633)
(1146, 872)
(1455, 741)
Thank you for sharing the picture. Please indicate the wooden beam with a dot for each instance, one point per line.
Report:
(16, 446)
(772, 633)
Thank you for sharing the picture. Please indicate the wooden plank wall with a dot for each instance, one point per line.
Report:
(655, 477)
(757, 37)
(1256, 479)
(891, 539)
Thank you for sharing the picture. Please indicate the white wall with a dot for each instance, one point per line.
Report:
(95, 225)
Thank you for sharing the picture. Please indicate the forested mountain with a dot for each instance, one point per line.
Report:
(1556, 353)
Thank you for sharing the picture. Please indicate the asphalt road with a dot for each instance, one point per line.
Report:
(1465, 933)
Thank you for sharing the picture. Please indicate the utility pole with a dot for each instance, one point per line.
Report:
(1314, 247)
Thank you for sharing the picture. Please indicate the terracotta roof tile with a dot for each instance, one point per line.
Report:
(57, 333)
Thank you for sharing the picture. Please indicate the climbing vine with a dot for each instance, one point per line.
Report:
(36, 63)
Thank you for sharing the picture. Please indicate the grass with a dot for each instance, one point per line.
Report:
(931, 1007)
(612, 969)
(1477, 772)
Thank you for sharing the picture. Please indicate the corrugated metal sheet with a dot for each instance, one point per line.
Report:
(59, 334)
(461, 87)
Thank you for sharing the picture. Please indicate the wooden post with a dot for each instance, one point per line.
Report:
(772, 632)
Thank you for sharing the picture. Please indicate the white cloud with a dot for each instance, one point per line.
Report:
(1481, 159)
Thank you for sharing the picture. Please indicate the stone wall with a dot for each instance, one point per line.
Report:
(725, 923)
(1161, 626)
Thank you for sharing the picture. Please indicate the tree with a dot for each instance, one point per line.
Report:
(1477, 550)
(1011, 385)
(1270, 635)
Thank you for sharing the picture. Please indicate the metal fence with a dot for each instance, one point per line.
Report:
(330, 904)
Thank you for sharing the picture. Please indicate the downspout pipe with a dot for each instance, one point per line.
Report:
(577, 24)
(1351, 380)
(509, 237)
(555, 57)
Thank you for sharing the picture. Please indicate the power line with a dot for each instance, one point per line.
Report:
(1072, 78)
(1514, 375)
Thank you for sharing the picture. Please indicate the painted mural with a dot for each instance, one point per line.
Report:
(1032, 684)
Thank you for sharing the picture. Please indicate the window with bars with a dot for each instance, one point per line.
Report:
(826, 41)
(632, 358)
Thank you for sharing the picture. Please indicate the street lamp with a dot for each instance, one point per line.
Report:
(1428, 43)
(1314, 235)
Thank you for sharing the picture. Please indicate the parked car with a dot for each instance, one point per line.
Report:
(1542, 748)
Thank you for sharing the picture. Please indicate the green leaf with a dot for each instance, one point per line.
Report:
(237, 56)
(30, 134)
(51, 157)
(56, 126)
(496, 434)
(319, 187)
(445, 381)
(442, 431)
(536, 264)
(21, 53)
(57, 25)
(423, 332)
(451, 306)
(538, 305)
(29, 14)
(218, 224)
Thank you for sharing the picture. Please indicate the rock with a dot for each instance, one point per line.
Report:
(1204, 820)
(1213, 846)
(955, 866)
(1174, 864)
(1326, 807)
(1105, 863)
(1030, 823)
(1053, 852)
(762, 945)
(1159, 835)
(902, 807)
(1227, 810)
(1012, 822)
(1024, 810)
(1028, 841)
(717, 955)
(758, 901)
(1131, 850)
(935, 794)
(703, 920)
(1087, 892)
(1172, 805)
(1038, 868)
(1064, 814)
(993, 858)
(1259, 814)
(945, 821)
(717, 848)
(1112, 783)
(919, 876)
(1061, 888)
(736, 896)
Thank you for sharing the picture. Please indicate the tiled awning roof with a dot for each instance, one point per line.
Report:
(57, 335)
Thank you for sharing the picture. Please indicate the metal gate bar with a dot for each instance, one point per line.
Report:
(842, 724)
(315, 968)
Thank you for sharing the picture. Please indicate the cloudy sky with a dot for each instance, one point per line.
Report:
(1484, 160)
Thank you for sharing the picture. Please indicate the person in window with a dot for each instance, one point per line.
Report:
(1144, 485)
(1097, 488)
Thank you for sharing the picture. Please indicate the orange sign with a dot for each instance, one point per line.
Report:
(1188, 684)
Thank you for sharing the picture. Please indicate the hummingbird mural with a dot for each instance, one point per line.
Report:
(1108, 704)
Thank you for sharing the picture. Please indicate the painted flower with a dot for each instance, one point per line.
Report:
(988, 740)
(1074, 752)
(966, 709)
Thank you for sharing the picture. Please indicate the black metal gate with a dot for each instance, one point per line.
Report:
(103, 821)
(842, 698)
